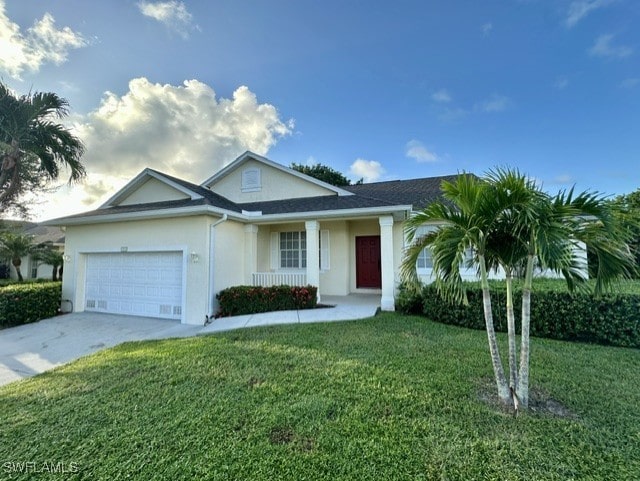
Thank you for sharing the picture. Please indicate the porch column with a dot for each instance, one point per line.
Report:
(387, 301)
(250, 252)
(312, 228)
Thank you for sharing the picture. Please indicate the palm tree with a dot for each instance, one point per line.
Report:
(466, 221)
(14, 247)
(508, 221)
(32, 144)
(47, 254)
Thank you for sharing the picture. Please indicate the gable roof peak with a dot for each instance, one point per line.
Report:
(248, 155)
(144, 176)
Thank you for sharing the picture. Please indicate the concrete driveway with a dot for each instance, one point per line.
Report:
(34, 348)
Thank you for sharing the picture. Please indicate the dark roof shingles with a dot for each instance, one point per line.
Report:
(415, 192)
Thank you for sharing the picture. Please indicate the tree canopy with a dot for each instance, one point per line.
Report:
(324, 173)
(34, 146)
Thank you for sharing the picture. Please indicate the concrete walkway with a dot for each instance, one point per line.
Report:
(34, 348)
(345, 308)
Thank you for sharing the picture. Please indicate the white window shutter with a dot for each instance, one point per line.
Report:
(275, 251)
(324, 250)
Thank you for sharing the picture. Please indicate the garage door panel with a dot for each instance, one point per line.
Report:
(141, 283)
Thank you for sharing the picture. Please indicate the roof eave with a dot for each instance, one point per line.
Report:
(209, 210)
(143, 215)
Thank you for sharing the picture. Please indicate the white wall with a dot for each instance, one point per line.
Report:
(188, 234)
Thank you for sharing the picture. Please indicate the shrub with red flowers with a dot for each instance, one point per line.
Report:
(24, 303)
(239, 300)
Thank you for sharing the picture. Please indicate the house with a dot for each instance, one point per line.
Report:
(32, 268)
(163, 247)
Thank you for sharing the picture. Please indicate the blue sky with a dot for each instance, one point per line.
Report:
(377, 90)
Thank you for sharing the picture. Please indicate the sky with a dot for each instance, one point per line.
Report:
(376, 90)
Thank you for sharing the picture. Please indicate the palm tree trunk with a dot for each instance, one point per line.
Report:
(511, 330)
(498, 371)
(522, 388)
(16, 263)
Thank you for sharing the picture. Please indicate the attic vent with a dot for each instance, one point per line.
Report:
(91, 304)
(177, 310)
(251, 180)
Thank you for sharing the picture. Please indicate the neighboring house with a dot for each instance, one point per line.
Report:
(41, 234)
(163, 247)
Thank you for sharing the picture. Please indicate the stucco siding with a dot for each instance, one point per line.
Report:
(274, 185)
(188, 235)
(153, 191)
(228, 265)
(335, 280)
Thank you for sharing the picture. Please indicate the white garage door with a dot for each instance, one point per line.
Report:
(135, 283)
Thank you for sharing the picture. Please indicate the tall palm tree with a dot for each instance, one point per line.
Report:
(14, 247)
(466, 220)
(30, 138)
(508, 221)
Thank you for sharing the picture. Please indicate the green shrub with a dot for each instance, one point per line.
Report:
(613, 319)
(239, 300)
(24, 303)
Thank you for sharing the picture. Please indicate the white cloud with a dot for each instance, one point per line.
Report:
(562, 82)
(603, 48)
(630, 82)
(41, 43)
(442, 96)
(486, 29)
(184, 130)
(369, 170)
(172, 14)
(495, 103)
(563, 179)
(416, 150)
(578, 9)
(453, 114)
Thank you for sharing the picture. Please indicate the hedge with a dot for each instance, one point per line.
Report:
(239, 300)
(24, 303)
(613, 319)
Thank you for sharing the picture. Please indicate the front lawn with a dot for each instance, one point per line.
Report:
(389, 398)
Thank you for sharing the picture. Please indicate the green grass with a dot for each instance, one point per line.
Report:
(624, 286)
(389, 398)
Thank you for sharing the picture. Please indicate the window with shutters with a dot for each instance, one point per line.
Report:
(293, 250)
(289, 250)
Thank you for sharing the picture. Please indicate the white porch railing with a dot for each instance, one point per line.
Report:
(266, 279)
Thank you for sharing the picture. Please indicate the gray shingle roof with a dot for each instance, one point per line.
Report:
(417, 192)
(314, 204)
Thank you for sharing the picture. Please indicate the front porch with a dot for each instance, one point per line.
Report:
(339, 256)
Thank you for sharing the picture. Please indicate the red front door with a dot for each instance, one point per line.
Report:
(368, 272)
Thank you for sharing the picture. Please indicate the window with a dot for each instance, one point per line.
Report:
(425, 259)
(34, 270)
(289, 250)
(293, 250)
